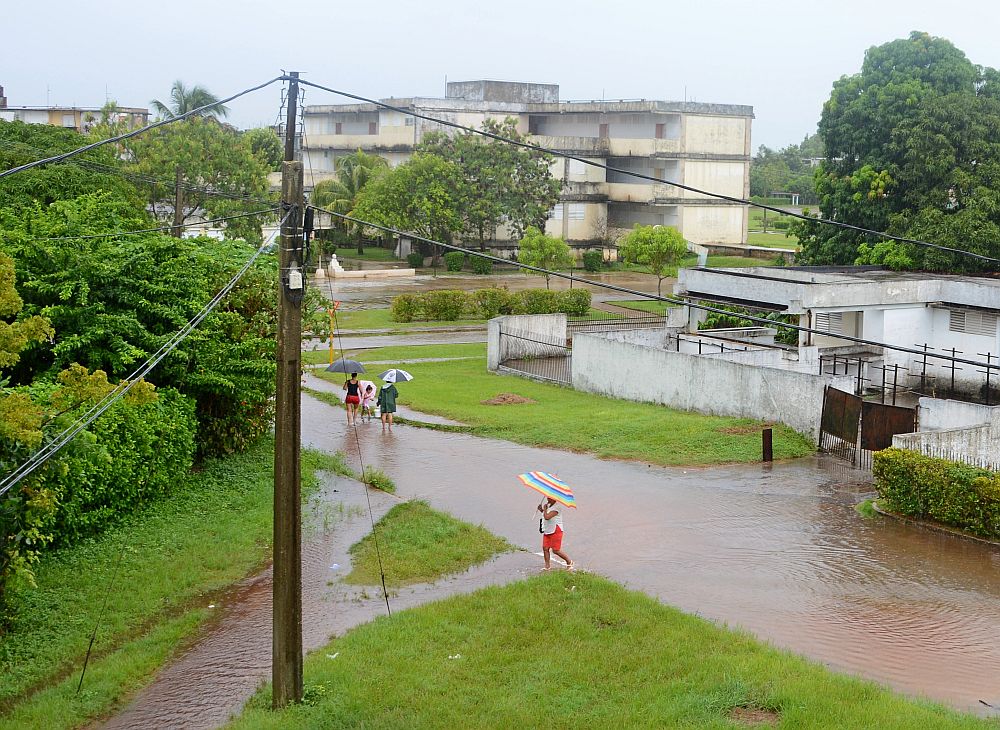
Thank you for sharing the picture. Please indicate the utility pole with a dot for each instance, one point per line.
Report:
(286, 646)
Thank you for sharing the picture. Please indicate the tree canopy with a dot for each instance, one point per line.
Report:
(184, 98)
(658, 247)
(788, 170)
(912, 147)
(545, 252)
(340, 194)
(500, 183)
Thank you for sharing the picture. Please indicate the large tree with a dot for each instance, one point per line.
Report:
(421, 196)
(544, 252)
(912, 147)
(184, 98)
(788, 170)
(200, 167)
(340, 194)
(501, 183)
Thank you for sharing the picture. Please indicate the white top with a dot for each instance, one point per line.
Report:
(549, 526)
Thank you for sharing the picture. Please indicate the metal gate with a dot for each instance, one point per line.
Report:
(846, 417)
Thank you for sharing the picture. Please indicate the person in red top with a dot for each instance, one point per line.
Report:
(552, 532)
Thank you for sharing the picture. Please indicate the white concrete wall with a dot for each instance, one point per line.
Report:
(940, 413)
(712, 223)
(545, 328)
(725, 178)
(715, 386)
(719, 135)
(978, 445)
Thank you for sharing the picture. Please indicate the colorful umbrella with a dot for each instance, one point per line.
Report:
(550, 486)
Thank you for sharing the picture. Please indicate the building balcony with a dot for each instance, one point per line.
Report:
(388, 138)
(643, 147)
(642, 192)
(583, 146)
(585, 192)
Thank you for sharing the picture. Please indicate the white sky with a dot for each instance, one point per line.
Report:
(781, 58)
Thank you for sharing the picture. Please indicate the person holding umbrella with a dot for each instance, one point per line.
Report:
(353, 399)
(387, 394)
(552, 532)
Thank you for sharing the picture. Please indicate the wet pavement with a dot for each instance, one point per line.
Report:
(213, 679)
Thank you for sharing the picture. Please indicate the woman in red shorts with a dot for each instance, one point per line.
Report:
(353, 388)
(552, 532)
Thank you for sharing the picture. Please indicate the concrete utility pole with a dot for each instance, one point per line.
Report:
(286, 647)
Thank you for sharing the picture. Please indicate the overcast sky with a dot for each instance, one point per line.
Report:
(780, 58)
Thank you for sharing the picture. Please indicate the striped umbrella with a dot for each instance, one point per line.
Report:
(550, 486)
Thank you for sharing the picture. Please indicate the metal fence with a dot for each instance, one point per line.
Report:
(536, 356)
(854, 429)
(610, 322)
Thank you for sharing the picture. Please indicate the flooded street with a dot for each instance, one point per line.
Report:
(778, 550)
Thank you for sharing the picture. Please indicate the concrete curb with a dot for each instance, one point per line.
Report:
(936, 527)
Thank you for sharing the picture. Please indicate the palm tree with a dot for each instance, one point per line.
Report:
(340, 194)
(184, 99)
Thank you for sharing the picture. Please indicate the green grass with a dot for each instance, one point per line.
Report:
(176, 554)
(371, 253)
(772, 240)
(865, 509)
(370, 319)
(652, 306)
(398, 354)
(574, 650)
(567, 419)
(377, 479)
(419, 545)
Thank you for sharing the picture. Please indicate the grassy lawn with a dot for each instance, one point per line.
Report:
(772, 240)
(419, 545)
(567, 419)
(371, 253)
(175, 554)
(645, 305)
(400, 354)
(574, 650)
(368, 319)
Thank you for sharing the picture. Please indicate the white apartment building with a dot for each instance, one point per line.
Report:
(706, 146)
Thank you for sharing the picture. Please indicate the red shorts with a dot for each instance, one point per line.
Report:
(352, 399)
(554, 540)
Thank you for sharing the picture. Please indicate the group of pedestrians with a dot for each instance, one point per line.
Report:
(361, 396)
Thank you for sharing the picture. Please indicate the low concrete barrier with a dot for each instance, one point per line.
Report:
(374, 273)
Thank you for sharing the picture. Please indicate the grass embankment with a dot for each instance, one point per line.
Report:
(567, 419)
(396, 353)
(419, 545)
(371, 253)
(574, 650)
(777, 239)
(651, 306)
(175, 554)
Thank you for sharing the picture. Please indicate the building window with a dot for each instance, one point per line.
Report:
(577, 211)
(338, 128)
(372, 127)
(556, 213)
(69, 120)
(577, 169)
(983, 324)
(603, 131)
(661, 131)
(409, 121)
(830, 322)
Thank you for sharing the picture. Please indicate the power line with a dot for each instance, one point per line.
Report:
(69, 433)
(135, 132)
(157, 230)
(651, 178)
(656, 297)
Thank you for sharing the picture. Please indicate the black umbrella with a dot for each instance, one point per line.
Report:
(345, 366)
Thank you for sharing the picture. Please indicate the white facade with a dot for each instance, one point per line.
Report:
(70, 117)
(701, 145)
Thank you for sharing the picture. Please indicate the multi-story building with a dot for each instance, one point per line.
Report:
(71, 117)
(706, 146)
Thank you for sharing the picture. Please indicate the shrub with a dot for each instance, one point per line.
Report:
(378, 479)
(945, 491)
(481, 265)
(593, 260)
(574, 302)
(446, 305)
(454, 260)
(494, 301)
(405, 307)
(415, 260)
(781, 224)
(539, 301)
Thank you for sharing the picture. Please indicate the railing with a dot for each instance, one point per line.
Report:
(536, 356)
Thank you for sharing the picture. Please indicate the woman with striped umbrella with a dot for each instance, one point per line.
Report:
(557, 493)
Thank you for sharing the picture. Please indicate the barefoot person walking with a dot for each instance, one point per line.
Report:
(552, 532)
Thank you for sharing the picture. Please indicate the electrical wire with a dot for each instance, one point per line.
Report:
(656, 297)
(157, 230)
(70, 432)
(135, 132)
(651, 178)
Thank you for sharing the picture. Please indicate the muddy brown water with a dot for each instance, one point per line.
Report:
(778, 550)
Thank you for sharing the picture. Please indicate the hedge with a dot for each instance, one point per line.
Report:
(454, 261)
(450, 305)
(948, 492)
